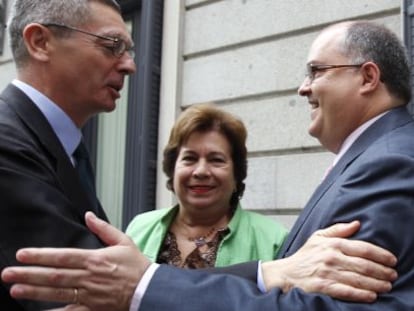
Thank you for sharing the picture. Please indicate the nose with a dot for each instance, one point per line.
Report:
(127, 64)
(304, 88)
(201, 169)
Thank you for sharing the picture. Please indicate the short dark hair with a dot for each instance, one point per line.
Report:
(204, 118)
(368, 41)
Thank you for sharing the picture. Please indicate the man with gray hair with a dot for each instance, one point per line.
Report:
(71, 58)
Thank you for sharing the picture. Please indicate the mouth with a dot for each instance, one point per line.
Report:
(314, 109)
(200, 189)
(314, 104)
(115, 88)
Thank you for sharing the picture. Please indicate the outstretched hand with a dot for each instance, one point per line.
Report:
(330, 264)
(100, 279)
(105, 279)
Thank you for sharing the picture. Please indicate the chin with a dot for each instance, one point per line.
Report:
(314, 129)
(312, 133)
(200, 203)
(109, 107)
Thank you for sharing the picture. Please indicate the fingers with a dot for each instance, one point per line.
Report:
(336, 234)
(352, 277)
(367, 251)
(340, 230)
(349, 293)
(365, 283)
(64, 295)
(55, 257)
(345, 269)
(356, 256)
(106, 232)
(42, 276)
(103, 277)
(71, 257)
(360, 273)
(374, 270)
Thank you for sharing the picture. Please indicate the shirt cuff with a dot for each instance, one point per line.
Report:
(260, 281)
(142, 287)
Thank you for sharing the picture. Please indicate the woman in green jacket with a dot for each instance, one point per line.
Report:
(205, 161)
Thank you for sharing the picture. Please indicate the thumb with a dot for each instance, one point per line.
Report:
(105, 231)
(340, 230)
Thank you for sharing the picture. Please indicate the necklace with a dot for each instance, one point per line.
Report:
(202, 240)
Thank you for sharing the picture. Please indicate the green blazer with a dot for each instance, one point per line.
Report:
(252, 236)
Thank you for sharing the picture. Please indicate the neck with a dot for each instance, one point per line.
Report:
(202, 217)
(194, 226)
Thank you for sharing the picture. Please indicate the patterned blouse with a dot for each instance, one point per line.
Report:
(203, 255)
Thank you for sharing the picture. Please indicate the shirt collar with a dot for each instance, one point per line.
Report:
(354, 136)
(68, 134)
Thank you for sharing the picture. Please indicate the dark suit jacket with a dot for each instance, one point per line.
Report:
(42, 200)
(373, 182)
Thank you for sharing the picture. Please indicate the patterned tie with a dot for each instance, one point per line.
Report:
(84, 169)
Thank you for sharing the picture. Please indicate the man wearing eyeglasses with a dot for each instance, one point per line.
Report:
(72, 57)
(358, 86)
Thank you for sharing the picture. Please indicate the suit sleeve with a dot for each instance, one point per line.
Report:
(247, 270)
(379, 192)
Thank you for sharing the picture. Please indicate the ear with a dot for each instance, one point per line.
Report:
(37, 40)
(371, 75)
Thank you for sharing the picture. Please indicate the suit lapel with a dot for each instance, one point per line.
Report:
(393, 119)
(40, 127)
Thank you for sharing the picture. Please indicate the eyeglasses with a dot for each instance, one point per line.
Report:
(312, 69)
(118, 47)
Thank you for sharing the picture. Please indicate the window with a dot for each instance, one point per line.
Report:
(142, 133)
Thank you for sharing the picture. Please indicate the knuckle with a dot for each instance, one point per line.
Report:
(55, 277)
(322, 285)
(364, 252)
(95, 261)
(330, 258)
(358, 282)
(369, 268)
(60, 294)
(336, 243)
(61, 259)
(324, 272)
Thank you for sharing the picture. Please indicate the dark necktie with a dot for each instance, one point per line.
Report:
(84, 168)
